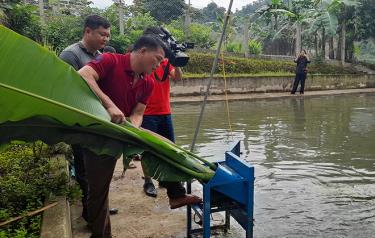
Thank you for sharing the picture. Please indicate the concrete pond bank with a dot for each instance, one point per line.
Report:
(267, 84)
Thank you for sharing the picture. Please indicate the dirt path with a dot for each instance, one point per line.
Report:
(139, 215)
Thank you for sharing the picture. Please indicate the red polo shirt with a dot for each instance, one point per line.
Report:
(159, 101)
(116, 81)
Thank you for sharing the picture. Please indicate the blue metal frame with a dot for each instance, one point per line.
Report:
(230, 190)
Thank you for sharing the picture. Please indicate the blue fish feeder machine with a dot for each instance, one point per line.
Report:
(231, 190)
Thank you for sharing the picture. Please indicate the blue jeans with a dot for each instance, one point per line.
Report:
(163, 125)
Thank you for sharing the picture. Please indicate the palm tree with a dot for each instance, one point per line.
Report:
(271, 10)
(326, 19)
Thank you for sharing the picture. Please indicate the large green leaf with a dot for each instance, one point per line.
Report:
(41, 97)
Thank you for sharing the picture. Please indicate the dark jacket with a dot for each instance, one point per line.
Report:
(301, 65)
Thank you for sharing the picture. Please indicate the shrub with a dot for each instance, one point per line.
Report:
(255, 47)
(201, 63)
(234, 47)
(27, 177)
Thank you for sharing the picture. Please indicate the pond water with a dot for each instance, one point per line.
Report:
(314, 160)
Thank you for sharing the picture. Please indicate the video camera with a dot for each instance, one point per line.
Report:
(175, 52)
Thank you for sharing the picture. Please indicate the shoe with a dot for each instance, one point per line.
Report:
(187, 199)
(113, 211)
(150, 189)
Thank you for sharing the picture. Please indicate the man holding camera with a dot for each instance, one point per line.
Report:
(158, 118)
(124, 87)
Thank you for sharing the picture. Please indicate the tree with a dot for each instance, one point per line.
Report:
(366, 20)
(61, 31)
(22, 18)
(201, 35)
(212, 12)
(271, 10)
(165, 11)
(138, 7)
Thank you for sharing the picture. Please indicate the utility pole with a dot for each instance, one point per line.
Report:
(121, 17)
(120, 5)
(41, 11)
(187, 21)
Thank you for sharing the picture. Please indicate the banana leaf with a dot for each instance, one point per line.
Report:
(43, 98)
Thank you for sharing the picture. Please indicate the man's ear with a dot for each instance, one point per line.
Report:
(143, 50)
(88, 30)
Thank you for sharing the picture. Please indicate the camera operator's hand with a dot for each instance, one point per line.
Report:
(116, 114)
(176, 74)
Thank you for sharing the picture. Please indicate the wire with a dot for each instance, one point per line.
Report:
(226, 96)
(214, 65)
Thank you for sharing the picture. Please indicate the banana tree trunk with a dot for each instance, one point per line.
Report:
(298, 38)
(323, 43)
(245, 42)
(343, 42)
(316, 44)
(331, 50)
(276, 23)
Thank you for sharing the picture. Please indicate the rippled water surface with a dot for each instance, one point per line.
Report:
(314, 160)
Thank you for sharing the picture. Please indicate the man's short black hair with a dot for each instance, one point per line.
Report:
(95, 21)
(149, 42)
(109, 49)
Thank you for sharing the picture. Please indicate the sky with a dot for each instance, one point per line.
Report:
(237, 4)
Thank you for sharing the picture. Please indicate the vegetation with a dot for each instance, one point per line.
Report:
(331, 29)
(200, 62)
(28, 176)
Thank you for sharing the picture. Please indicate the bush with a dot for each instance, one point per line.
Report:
(62, 31)
(201, 35)
(23, 20)
(122, 42)
(255, 47)
(27, 177)
(234, 47)
(201, 63)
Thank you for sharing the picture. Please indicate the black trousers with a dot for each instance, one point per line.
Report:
(99, 172)
(80, 175)
(300, 77)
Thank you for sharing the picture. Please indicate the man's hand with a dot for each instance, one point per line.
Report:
(116, 115)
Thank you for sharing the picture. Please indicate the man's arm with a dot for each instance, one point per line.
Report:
(136, 117)
(296, 59)
(91, 77)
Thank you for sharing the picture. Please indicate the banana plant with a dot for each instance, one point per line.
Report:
(43, 98)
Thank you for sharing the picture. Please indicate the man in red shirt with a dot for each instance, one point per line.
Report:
(122, 84)
(158, 118)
